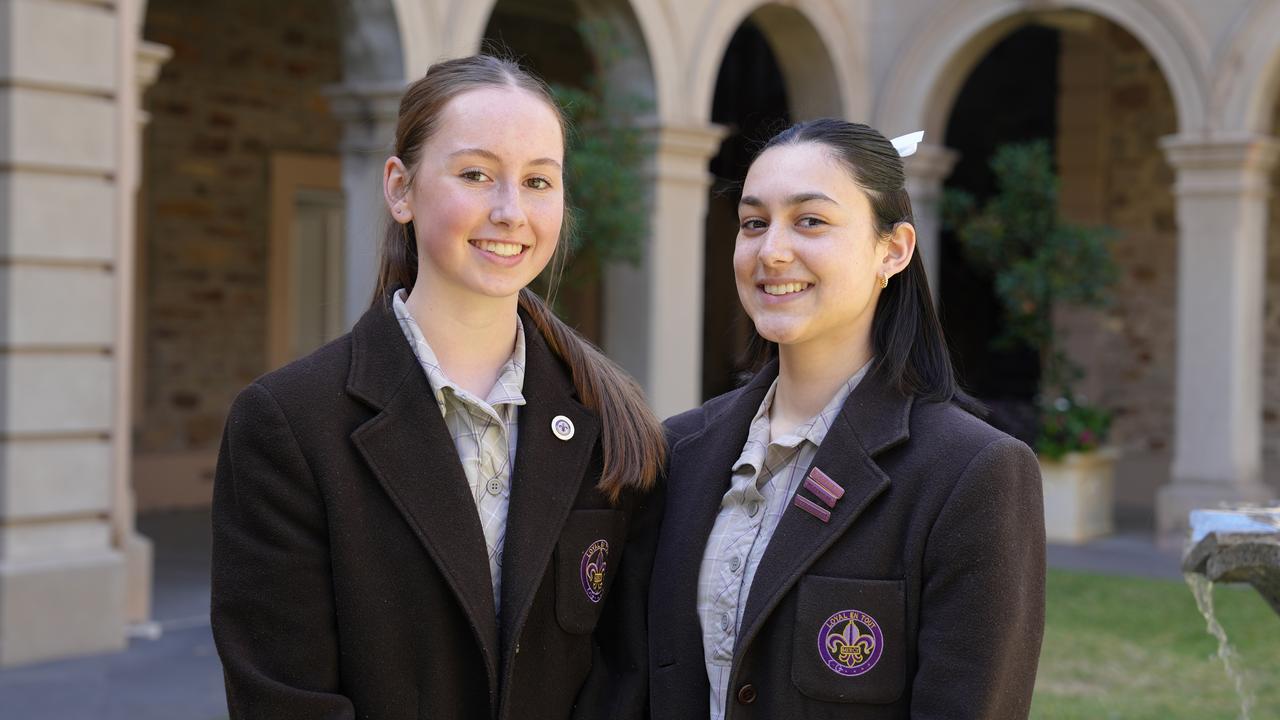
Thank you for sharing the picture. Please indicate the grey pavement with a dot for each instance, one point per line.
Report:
(176, 676)
(173, 677)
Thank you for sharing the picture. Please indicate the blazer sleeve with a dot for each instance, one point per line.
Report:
(272, 599)
(982, 594)
(617, 687)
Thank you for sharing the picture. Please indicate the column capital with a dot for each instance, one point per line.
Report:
(1222, 166)
(930, 163)
(151, 57)
(702, 141)
(692, 138)
(683, 150)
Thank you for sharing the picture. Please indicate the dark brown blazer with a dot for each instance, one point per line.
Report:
(350, 576)
(939, 538)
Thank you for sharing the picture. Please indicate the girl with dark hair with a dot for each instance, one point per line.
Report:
(447, 512)
(843, 537)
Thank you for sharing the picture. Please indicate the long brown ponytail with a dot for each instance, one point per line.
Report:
(633, 441)
(634, 446)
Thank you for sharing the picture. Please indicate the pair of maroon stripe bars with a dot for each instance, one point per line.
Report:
(825, 489)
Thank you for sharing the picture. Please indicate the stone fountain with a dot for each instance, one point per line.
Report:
(1233, 545)
(1239, 545)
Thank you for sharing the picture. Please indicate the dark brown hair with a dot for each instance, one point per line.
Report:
(633, 444)
(911, 352)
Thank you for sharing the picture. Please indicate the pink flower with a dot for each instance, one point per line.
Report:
(1086, 438)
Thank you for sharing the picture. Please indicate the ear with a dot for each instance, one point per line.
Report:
(897, 249)
(395, 188)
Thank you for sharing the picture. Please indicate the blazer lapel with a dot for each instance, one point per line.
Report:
(873, 419)
(545, 482)
(701, 466)
(409, 449)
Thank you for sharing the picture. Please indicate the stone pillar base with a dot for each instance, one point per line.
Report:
(1175, 502)
(53, 609)
(138, 559)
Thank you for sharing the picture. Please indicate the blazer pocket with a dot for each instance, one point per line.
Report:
(586, 561)
(849, 644)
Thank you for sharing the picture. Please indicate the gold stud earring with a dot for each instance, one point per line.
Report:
(884, 280)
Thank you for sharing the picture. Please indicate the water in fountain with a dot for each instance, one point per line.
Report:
(1202, 589)
(1236, 544)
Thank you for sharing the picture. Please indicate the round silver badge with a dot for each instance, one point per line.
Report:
(562, 427)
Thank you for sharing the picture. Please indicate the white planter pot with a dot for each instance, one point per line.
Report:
(1078, 495)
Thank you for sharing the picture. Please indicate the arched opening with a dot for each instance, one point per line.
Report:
(1097, 95)
(592, 55)
(750, 100)
(774, 71)
(1024, 65)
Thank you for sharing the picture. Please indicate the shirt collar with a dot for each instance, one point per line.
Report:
(814, 430)
(508, 389)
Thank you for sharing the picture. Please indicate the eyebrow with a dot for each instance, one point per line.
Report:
(796, 199)
(494, 157)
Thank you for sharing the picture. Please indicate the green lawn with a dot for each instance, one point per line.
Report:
(1135, 649)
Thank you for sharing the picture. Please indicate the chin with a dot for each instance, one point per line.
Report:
(778, 332)
(500, 287)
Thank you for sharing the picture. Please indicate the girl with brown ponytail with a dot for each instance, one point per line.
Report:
(448, 512)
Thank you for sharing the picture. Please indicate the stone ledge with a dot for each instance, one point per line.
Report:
(52, 610)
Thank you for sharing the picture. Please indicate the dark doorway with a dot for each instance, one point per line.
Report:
(1011, 96)
(751, 101)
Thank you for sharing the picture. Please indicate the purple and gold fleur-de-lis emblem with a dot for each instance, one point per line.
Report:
(592, 569)
(850, 643)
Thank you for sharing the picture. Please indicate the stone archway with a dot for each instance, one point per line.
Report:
(1105, 103)
(823, 70)
(775, 69)
(1246, 82)
(927, 72)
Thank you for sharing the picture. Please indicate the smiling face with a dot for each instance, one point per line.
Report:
(486, 196)
(807, 257)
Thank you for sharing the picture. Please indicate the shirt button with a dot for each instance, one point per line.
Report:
(724, 621)
(747, 694)
(495, 487)
(735, 563)
(753, 509)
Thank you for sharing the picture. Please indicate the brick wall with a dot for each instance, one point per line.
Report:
(1114, 108)
(246, 80)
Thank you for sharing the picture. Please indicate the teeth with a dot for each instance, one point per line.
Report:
(500, 248)
(785, 288)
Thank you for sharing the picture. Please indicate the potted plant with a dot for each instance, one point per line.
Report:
(1040, 262)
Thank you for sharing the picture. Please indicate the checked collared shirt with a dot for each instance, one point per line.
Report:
(483, 431)
(765, 477)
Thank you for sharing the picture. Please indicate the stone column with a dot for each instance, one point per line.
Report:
(926, 171)
(62, 575)
(1222, 187)
(368, 113)
(140, 68)
(653, 313)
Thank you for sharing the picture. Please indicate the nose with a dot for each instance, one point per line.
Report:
(507, 210)
(775, 246)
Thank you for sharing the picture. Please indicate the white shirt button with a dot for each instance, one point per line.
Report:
(735, 563)
(494, 487)
(725, 622)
